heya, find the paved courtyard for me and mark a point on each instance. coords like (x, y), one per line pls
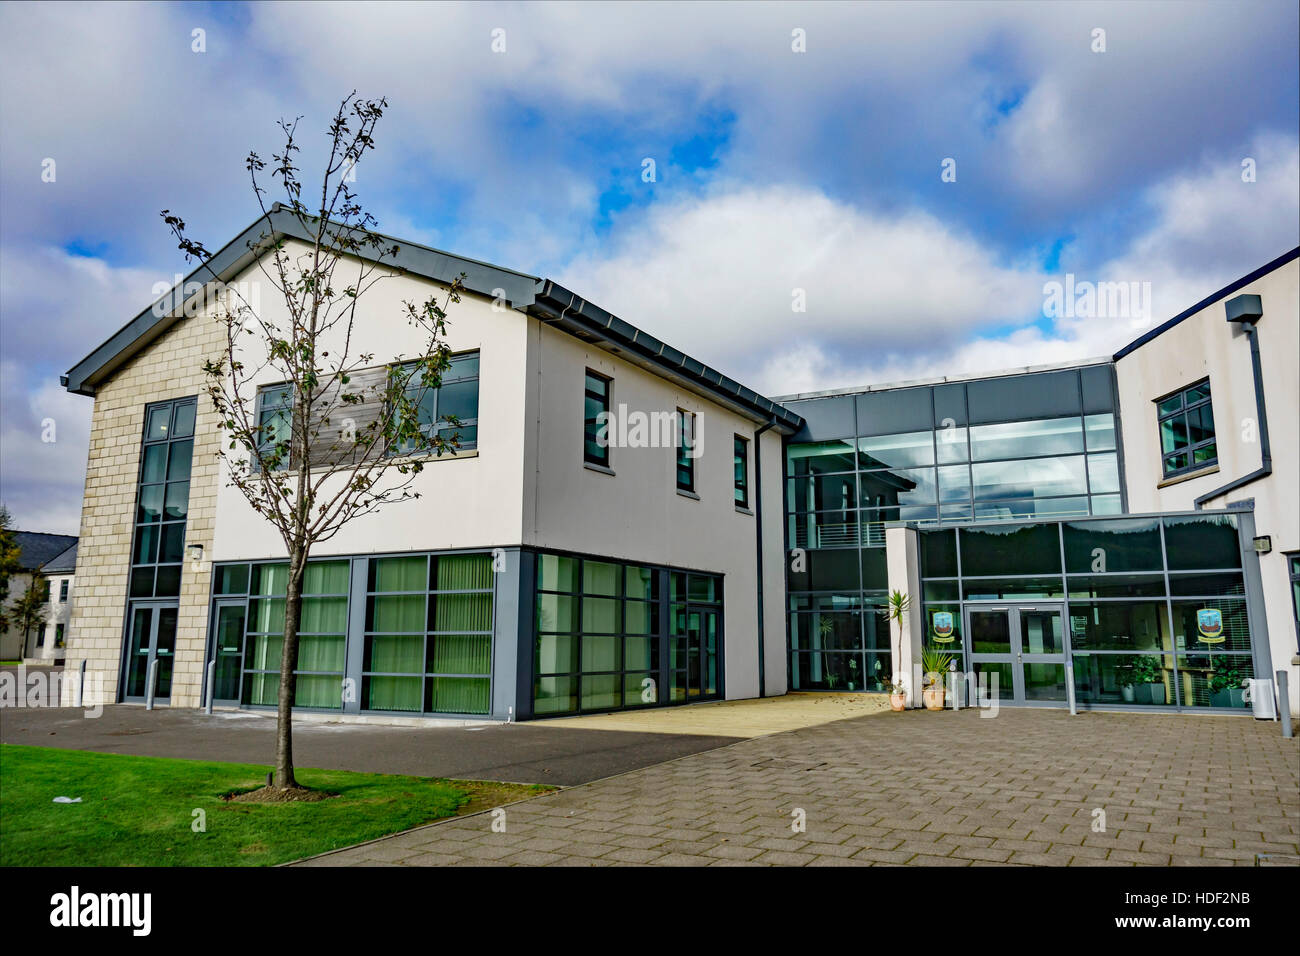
(953, 789)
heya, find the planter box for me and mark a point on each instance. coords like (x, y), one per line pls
(1229, 697)
(1150, 694)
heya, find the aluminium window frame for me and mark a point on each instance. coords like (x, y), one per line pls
(685, 461)
(430, 429)
(607, 401)
(740, 456)
(1191, 447)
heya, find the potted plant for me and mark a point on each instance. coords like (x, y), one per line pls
(853, 673)
(1149, 676)
(934, 669)
(897, 694)
(1125, 678)
(898, 607)
(1226, 688)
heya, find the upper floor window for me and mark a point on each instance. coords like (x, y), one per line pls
(740, 457)
(685, 450)
(63, 591)
(595, 418)
(162, 499)
(454, 397)
(1186, 421)
(274, 426)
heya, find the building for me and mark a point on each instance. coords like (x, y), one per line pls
(541, 573)
(37, 550)
(60, 572)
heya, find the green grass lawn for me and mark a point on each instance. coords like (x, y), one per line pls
(139, 811)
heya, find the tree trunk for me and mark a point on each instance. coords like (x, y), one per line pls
(284, 777)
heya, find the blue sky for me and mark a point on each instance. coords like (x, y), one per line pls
(776, 170)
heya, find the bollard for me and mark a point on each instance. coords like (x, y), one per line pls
(81, 682)
(212, 686)
(1284, 702)
(151, 679)
(1069, 688)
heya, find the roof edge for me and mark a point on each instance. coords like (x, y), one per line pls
(1209, 300)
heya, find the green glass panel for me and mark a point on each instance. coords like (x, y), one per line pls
(557, 573)
(178, 462)
(459, 695)
(326, 577)
(464, 572)
(1214, 680)
(703, 588)
(1099, 432)
(1119, 626)
(1196, 634)
(641, 653)
(183, 422)
(462, 612)
(232, 579)
(556, 612)
(263, 652)
(461, 654)
(177, 502)
(555, 695)
(154, 467)
(1127, 544)
(642, 583)
(263, 689)
(600, 653)
(400, 574)
(394, 693)
(1011, 549)
(640, 617)
(270, 578)
(603, 692)
(557, 654)
(396, 653)
(321, 652)
(599, 577)
(159, 418)
(600, 615)
(319, 690)
(267, 615)
(324, 615)
(640, 689)
(1146, 679)
(401, 613)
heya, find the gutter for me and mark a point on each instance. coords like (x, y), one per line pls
(1247, 310)
(758, 537)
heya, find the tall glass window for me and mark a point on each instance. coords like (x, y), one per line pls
(162, 499)
(601, 634)
(595, 416)
(740, 470)
(685, 450)
(322, 635)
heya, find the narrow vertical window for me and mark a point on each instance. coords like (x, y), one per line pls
(274, 425)
(685, 450)
(740, 468)
(63, 591)
(595, 444)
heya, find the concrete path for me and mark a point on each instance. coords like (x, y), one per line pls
(515, 753)
(736, 718)
(1030, 787)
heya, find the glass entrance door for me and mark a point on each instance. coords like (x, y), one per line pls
(1022, 648)
(227, 650)
(693, 656)
(152, 639)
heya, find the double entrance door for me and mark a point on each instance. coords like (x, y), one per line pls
(1023, 647)
(152, 644)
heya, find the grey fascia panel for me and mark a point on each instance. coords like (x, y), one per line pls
(480, 277)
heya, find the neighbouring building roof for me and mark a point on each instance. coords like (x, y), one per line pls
(1227, 290)
(36, 548)
(533, 295)
(65, 562)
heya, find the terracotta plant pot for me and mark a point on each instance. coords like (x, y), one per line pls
(897, 701)
(933, 697)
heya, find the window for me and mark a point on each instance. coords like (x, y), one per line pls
(685, 450)
(58, 634)
(1293, 565)
(40, 636)
(455, 396)
(63, 591)
(274, 425)
(595, 445)
(1186, 422)
(162, 502)
(740, 467)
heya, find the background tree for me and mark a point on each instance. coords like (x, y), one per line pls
(10, 564)
(336, 445)
(29, 611)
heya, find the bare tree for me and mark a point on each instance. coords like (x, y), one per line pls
(340, 436)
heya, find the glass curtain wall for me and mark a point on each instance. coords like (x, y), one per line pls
(162, 501)
(427, 639)
(1156, 606)
(602, 627)
(1032, 446)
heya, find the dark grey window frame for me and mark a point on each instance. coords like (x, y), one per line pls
(685, 467)
(591, 426)
(63, 591)
(740, 457)
(262, 407)
(1190, 448)
(428, 429)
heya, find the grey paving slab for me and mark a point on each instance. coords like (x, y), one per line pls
(1028, 787)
